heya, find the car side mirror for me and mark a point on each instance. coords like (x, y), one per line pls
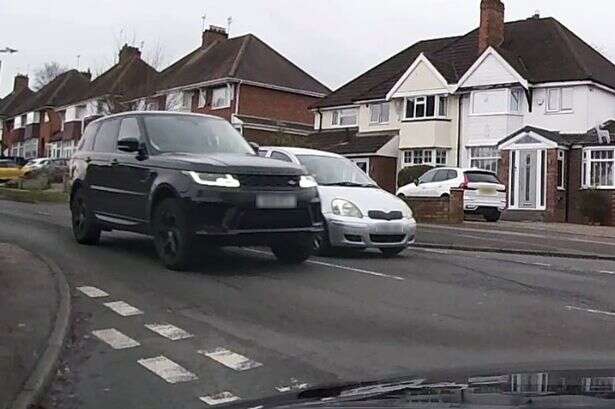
(417, 181)
(129, 145)
(254, 146)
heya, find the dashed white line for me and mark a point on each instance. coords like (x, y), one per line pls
(590, 310)
(115, 338)
(169, 331)
(93, 292)
(293, 386)
(607, 272)
(231, 359)
(167, 369)
(123, 308)
(219, 398)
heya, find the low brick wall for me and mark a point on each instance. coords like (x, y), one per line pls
(441, 210)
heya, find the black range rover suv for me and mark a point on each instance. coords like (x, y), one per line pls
(179, 177)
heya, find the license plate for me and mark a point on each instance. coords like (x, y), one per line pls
(276, 202)
(487, 191)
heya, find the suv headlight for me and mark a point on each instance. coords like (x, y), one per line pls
(214, 179)
(342, 207)
(406, 211)
(307, 181)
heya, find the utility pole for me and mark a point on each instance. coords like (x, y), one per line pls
(203, 18)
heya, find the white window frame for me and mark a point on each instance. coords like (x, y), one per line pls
(202, 98)
(227, 100)
(586, 168)
(561, 166)
(17, 123)
(509, 100)
(515, 98)
(479, 161)
(410, 157)
(338, 114)
(422, 100)
(377, 109)
(62, 115)
(559, 95)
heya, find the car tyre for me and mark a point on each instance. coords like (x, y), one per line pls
(391, 251)
(492, 216)
(85, 229)
(172, 237)
(322, 245)
(293, 252)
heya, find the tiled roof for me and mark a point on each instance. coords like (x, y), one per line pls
(244, 58)
(540, 49)
(248, 119)
(132, 78)
(64, 89)
(347, 141)
(14, 102)
(567, 139)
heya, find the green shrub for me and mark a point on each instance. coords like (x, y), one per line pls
(594, 206)
(411, 173)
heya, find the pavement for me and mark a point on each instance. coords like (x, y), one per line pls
(33, 318)
(242, 326)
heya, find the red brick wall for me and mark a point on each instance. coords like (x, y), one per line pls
(383, 170)
(438, 209)
(268, 103)
(225, 113)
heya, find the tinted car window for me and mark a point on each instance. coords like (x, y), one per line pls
(105, 139)
(427, 177)
(129, 129)
(452, 174)
(87, 140)
(440, 176)
(481, 177)
(280, 156)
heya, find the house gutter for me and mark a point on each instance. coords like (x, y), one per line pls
(237, 95)
(459, 132)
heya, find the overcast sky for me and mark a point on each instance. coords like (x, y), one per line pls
(333, 40)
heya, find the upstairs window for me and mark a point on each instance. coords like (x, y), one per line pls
(430, 106)
(559, 99)
(186, 101)
(220, 98)
(516, 96)
(379, 113)
(17, 123)
(344, 117)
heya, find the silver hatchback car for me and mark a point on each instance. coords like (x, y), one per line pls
(358, 213)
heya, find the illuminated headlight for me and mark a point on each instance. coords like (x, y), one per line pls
(307, 181)
(406, 211)
(343, 207)
(214, 179)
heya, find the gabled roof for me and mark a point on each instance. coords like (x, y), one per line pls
(131, 78)
(566, 139)
(243, 58)
(64, 89)
(539, 49)
(347, 141)
(14, 102)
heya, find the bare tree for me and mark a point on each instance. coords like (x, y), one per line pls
(45, 74)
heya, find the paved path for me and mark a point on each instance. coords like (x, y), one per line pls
(242, 326)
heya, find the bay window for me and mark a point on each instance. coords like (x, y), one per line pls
(432, 157)
(430, 106)
(30, 148)
(344, 117)
(484, 157)
(516, 96)
(379, 113)
(598, 168)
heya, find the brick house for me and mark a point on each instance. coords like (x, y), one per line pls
(245, 81)
(13, 123)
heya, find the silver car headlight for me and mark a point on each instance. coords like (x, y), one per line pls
(213, 179)
(307, 181)
(342, 207)
(406, 211)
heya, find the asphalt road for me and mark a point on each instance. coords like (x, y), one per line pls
(253, 327)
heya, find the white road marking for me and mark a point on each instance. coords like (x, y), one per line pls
(169, 331)
(293, 386)
(231, 359)
(590, 310)
(92, 292)
(356, 270)
(219, 398)
(432, 250)
(167, 369)
(607, 272)
(115, 338)
(123, 308)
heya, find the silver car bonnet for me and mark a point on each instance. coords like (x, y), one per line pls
(365, 198)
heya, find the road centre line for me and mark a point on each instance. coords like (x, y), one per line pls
(219, 398)
(169, 331)
(167, 369)
(356, 270)
(115, 339)
(590, 310)
(123, 308)
(231, 359)
(93, 292)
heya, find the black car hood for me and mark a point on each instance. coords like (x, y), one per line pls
(557, 389)
(227, 163)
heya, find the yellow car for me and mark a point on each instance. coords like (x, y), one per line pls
(9, 170)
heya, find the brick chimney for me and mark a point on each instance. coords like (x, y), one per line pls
(491, 31)
(20, 83)
(86, 74)
(213, 34)
(128, 53)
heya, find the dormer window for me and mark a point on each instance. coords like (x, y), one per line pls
(430, 106)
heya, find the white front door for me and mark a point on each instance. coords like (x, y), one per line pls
(528, 179)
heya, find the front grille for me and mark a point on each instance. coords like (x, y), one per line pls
(274, 219)
(269, 181)
(387, 238)
(380, 215)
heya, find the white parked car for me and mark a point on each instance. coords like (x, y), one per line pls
(358, 213)
(483, 193)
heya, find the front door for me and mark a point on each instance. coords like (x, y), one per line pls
(528, 163)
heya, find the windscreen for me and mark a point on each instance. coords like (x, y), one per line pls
(330, 170)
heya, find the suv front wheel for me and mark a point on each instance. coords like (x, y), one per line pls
(172, 237)
(294, 252)
(85, 228)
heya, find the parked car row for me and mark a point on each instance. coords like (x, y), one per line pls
(189, 179)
